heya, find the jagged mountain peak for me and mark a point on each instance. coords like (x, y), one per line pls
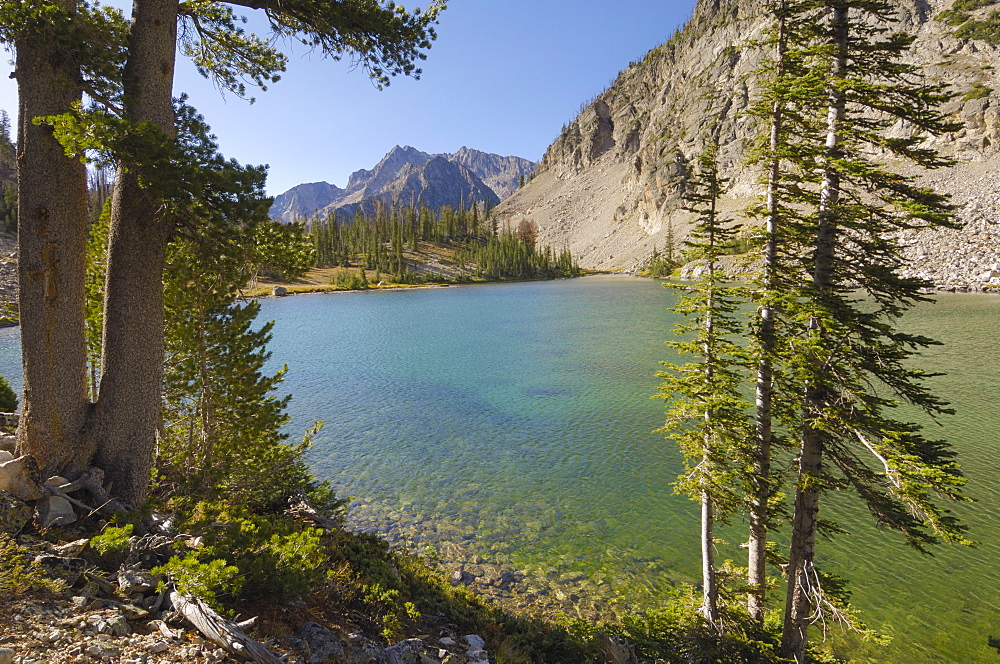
(407, 174)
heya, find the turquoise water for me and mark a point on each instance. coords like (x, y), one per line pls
(517, 419)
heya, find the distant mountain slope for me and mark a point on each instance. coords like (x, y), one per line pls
(609, 186)
(304, 199)
(408, 175)
(501, 174)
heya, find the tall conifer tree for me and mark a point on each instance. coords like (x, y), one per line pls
(850, 362)
(706, 414)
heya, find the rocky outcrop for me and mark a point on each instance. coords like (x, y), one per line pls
(406, 175)
(609, 186)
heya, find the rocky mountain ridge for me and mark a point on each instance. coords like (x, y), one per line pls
(406, 175)
(609, 186)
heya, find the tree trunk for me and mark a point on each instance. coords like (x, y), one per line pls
(758, 512)
(802, 589)
(127, 415)
(709, 579)
(52, 236)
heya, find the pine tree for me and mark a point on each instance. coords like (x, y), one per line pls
(786, 108)
(706, 414)
(848, 363)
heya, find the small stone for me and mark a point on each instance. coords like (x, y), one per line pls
(54, 511)
(72, 549)
(6, 656)
(475, 642)
(56, 481)
(158, 647)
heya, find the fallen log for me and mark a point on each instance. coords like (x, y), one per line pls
(222, 632)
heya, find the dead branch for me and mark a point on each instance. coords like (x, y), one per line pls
(220, 631)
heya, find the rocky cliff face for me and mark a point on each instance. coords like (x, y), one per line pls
(408, 175)
(609, 186)
(501, 174)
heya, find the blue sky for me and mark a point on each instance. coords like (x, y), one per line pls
(502, 77)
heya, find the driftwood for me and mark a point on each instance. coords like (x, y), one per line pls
(300, 507)
(220, 631)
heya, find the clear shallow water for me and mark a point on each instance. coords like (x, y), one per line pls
(517, 419)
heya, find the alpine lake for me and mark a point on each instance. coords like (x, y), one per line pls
(516, 422)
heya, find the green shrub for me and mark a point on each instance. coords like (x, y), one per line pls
(19, 574)
(204, 580)
(970, 5)
(112, 540)
(987, 30)
(276, 557)
(978, 91)
(952, 17)
(8, 400)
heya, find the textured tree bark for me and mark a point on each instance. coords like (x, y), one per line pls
(801, 575)
(52, 235)
(763, 391)
(709, 579)
(801, 590)
(127, 413)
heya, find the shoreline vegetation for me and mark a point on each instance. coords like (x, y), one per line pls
(404, 247)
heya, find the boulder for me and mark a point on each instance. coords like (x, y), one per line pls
(22, 478)
(477, 649)
(475, 642)
(361, 650)
(279, 291)
(135, 580)
(322, 643)
(14, 514)
(6, 456)
(66, 569)
(54, 511)
(404, 652)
